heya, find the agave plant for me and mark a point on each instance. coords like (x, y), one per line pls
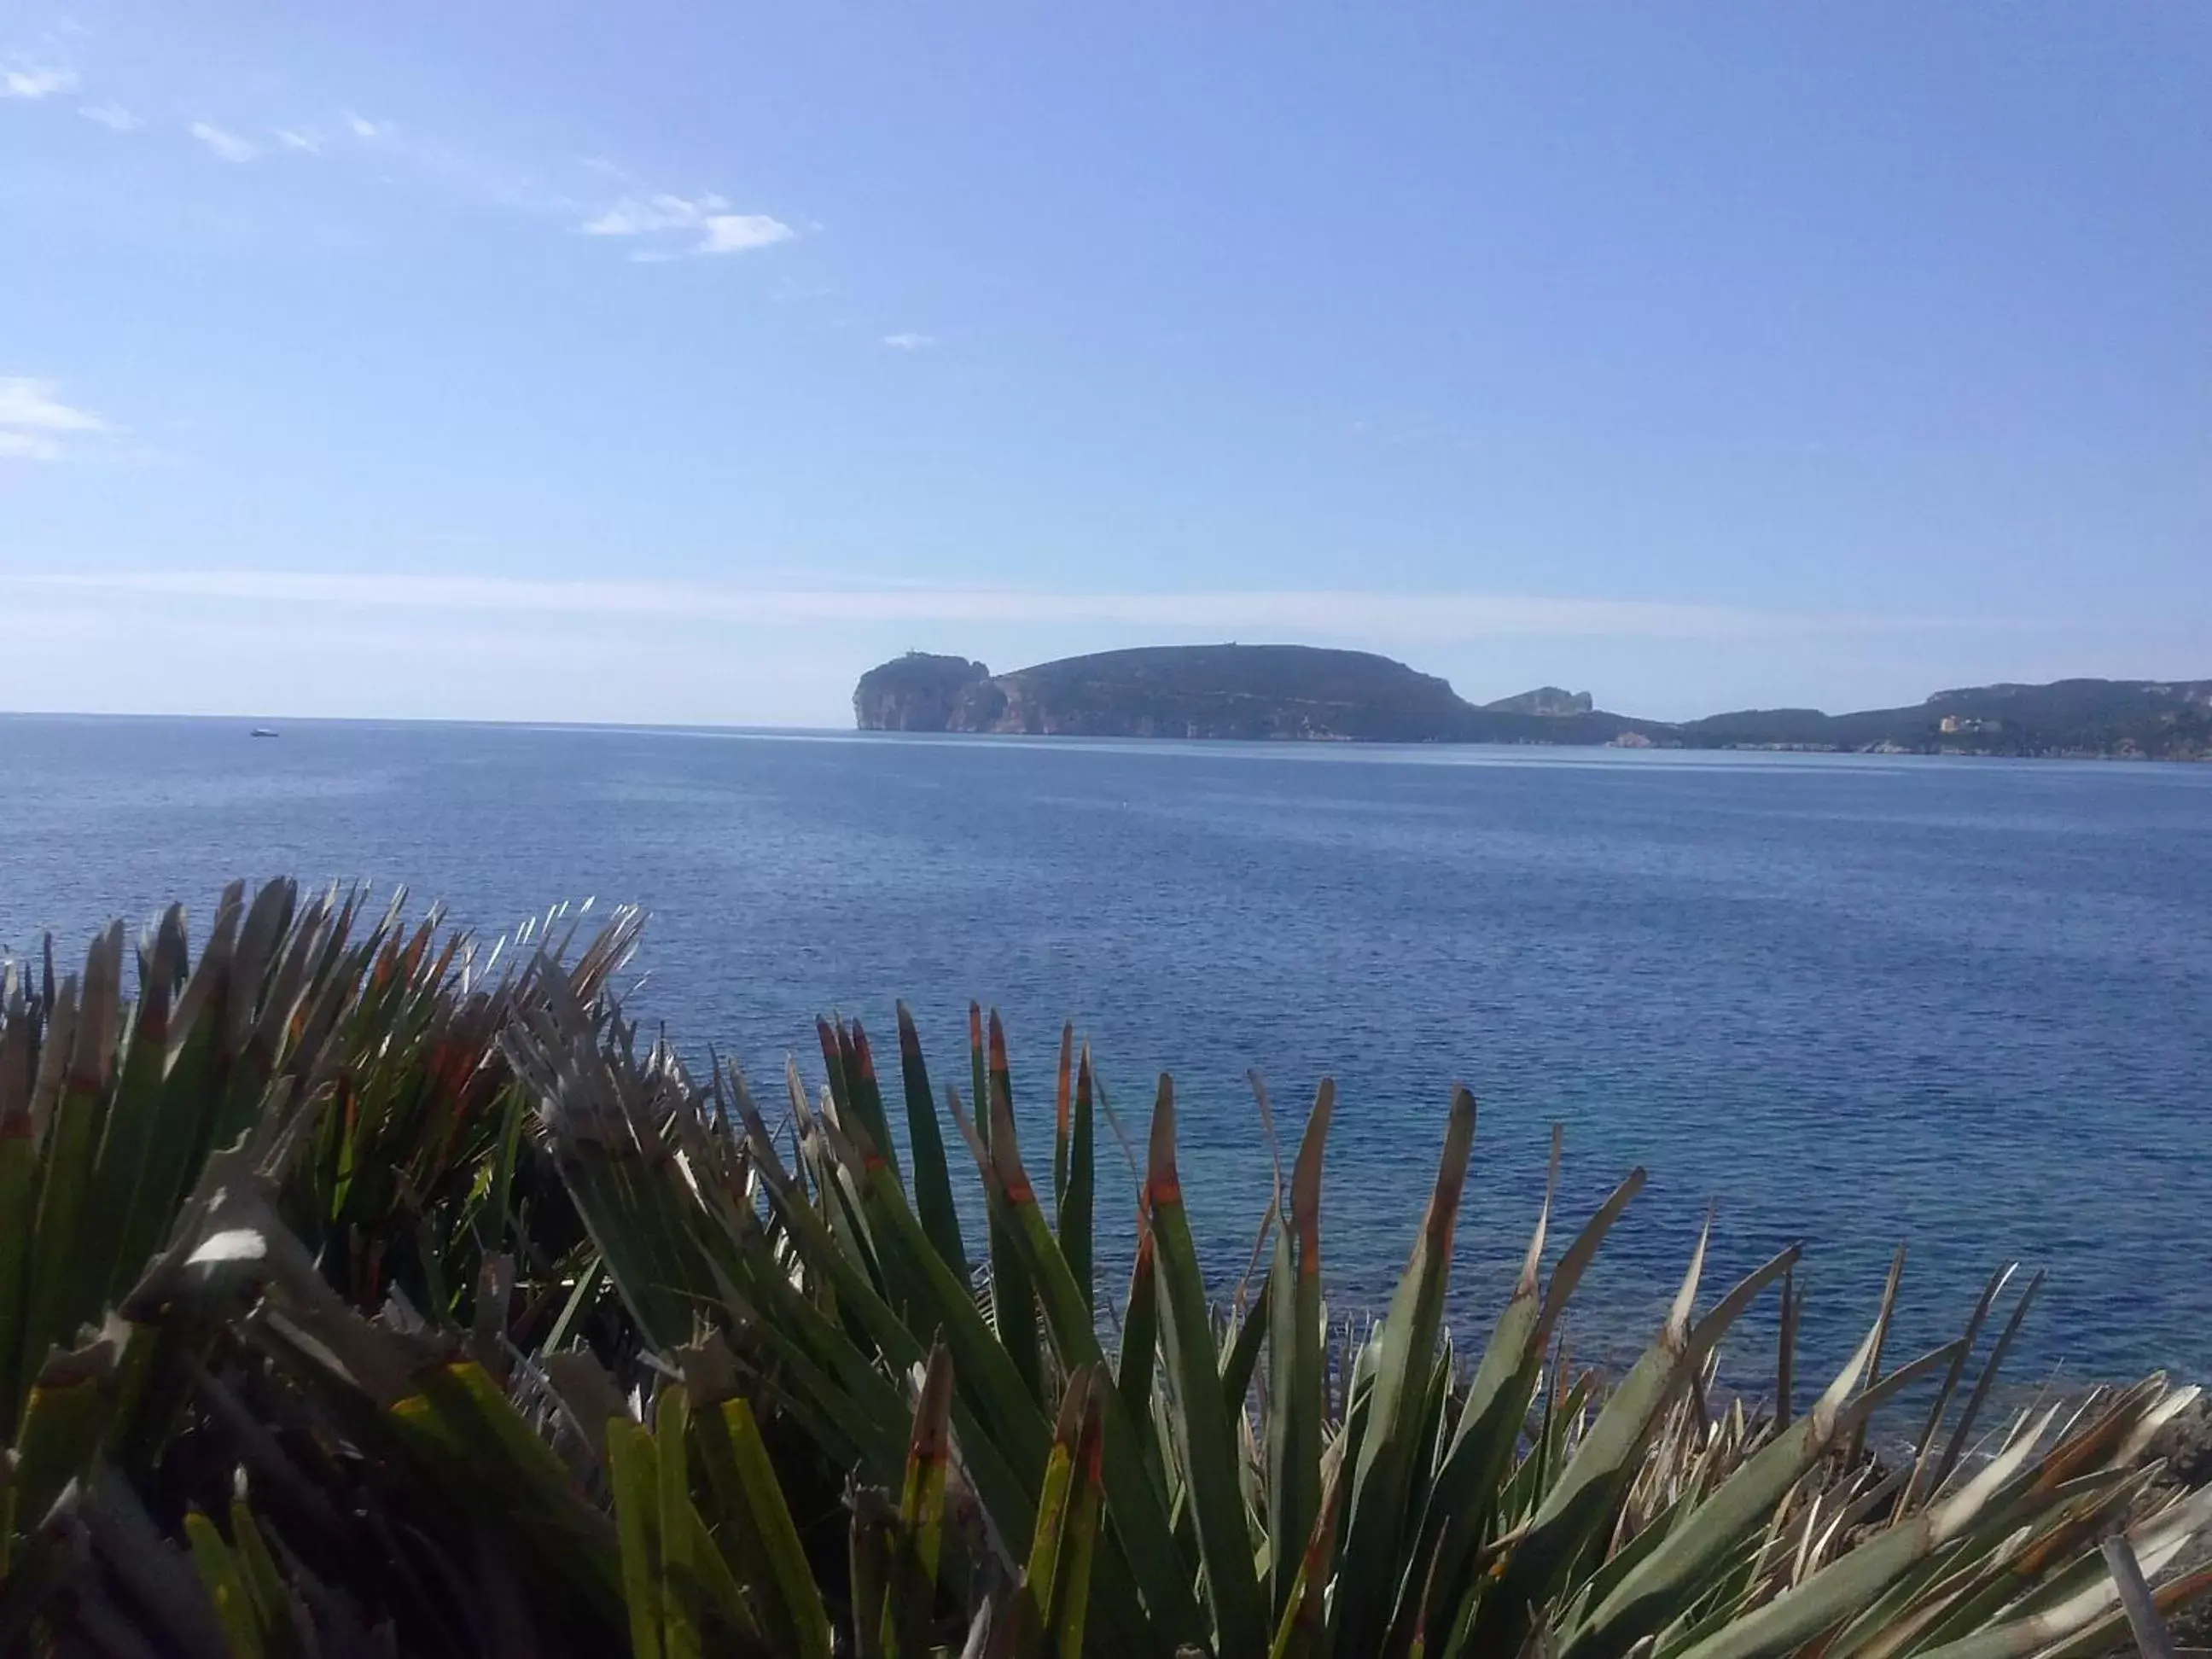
(356, 1057)
(353, 1300)
(1252, 1503)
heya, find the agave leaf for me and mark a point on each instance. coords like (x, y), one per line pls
(1070, 1596)
(678, 1574)
(1374, 1563)
(462, 1431)
(2091, 1466)
(718, 1583)
(912, 1586)
(1140, 1328)
(1140, 1522)
(272, 1602)
(1983, 1384)
(793, 1581)
(2089, 1617)
(869, 1555)
(1785, 1350)
(634, 1471)
(1301, 1630)
(72, 1412)
(1666, 1581)
(1053, 1498)
(1581, 1505)
(18, 1179)
(1463, 1499)
(1076, 1201)
(984, 1373)
(867, 1093)
(932, 1185)
(1848, 1583)
(1242, 1359)
(1972, 1590)
(1063, 1112)
(1575, 1262)
(734, 1532)
(1203, 1435)
(61, 1291)
(225, 1587)
(1297, 1395)
(1014, 1298)
(132, 1120)
(1856, 1446)
(1003, 1431)
(1925, 1452)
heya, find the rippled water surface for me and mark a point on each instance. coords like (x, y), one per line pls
(1968, 1004)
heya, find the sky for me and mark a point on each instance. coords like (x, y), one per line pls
(675, 363)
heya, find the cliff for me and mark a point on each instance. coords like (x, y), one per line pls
(1305, 692)
(1234, 691)
(918, 692)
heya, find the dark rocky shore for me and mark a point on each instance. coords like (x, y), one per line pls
(1306, 693)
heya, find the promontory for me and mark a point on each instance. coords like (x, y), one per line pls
(1312, 693)
(1281, 691)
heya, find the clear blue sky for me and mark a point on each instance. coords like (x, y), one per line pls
(677, 362)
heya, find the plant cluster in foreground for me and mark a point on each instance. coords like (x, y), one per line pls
(357, 1297)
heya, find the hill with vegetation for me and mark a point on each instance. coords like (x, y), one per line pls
(1309, 693)
(2153, 720)
(1234, 691)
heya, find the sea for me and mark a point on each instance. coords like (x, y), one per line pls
(1964, 1005)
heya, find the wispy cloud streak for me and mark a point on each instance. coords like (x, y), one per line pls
(222, 144)
(1336, 613)
(31, 82)
(35, 421)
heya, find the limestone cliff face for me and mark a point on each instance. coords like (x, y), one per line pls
(919, 692)
(1305, 692)
(1234, 691)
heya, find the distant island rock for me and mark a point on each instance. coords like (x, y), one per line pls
(919, 692)
(1312, 694)
(1300, 692)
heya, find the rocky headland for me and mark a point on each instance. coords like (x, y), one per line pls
(1313, 694)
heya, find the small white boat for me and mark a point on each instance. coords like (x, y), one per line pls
(263, 732)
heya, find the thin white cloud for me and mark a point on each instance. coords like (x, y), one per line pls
(306, 143)
(222, 144)
(717, 230)
(735, 233)
(909, 342)
(27, 402)
(36, 80)
(32, 415)
(1240, 614)
(362, 129)
(27, 447)
(113, 117)
(641, 216)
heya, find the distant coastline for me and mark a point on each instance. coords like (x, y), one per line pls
(1312, 694)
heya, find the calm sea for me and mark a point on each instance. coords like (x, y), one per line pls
(1966, 1004)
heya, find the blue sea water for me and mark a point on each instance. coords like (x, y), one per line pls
(1856, 1000)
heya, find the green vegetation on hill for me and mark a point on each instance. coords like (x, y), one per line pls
(1232, 691)
(2156, 720)
(358, 1299)
(919, 692)
(1285, 691)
